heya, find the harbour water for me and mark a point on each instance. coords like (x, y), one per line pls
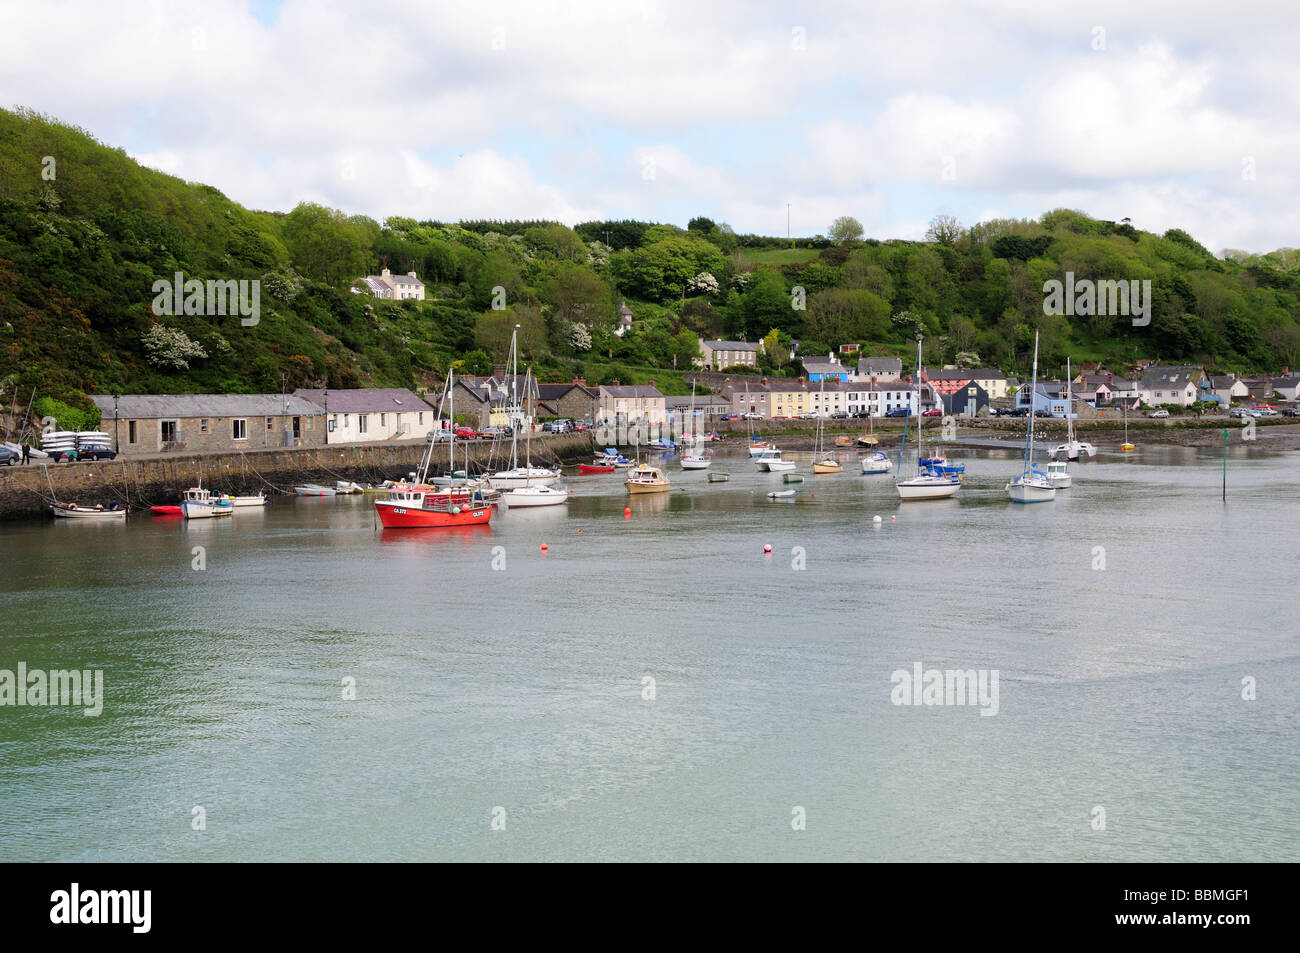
(657, 688)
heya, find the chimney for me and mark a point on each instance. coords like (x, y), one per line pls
(616, 383)
(580, 381)
(385, 273)
(652, 383)
(411, 274)
(499, 371)
(764, 382)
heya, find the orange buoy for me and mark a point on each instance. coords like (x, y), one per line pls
(767, 547)
(627, 512)
(543, 547)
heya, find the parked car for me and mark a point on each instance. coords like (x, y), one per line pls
(752, 416)
(487, 432)
(9, 457)
(840, 415)
(730, 417)
(1266, 412)
(441, 435)
(933, 412)
(1158, 414)
(466, 433)
(580, 427)
(897, 412)
(96, 452)
(861, 415)
(808, 415)
(1239, 412)
(562, 425)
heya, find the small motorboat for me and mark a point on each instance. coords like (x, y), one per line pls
(663, 444)
(257, 500)
(314, 489)
(1059, 474)
(198, 503)
(877, 462)
(696, 461)
(346, 487)
(843, 441)
(781, 495)
(595, 468)
(719, 477)
(77, 511)
(791, 478)
(166, 511)
(646, 479)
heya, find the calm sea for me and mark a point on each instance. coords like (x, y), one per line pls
(657, 688)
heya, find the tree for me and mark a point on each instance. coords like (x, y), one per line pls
(701, 224)
(846, 228)
(776, 346)
(170, 348)
(943, 229)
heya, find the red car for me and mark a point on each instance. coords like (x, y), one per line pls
(579, 427)
(466, 433)
(933, 412)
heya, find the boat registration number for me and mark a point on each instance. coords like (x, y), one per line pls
(398, 511)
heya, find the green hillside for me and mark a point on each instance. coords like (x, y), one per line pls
(84, 238)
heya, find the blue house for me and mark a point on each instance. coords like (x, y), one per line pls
(828, 369)
(1049, 397)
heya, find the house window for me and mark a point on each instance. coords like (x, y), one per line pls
(421, 418)
(239, 429)
(203, 425)
(270, 423)
(168, 431)
(130, 431)
(383, 420)
(362, 422)
(309, 420)
(331, 425)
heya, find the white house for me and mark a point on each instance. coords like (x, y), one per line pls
(372, 414)
(624, 320)
(878, 397)
(393, 287)
(1171, 385)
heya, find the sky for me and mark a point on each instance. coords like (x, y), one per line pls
(765, 116)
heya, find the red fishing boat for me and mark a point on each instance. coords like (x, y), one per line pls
(418, 507)
(166, 510)
(594, 468)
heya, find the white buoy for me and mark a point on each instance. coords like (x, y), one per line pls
(876, 519)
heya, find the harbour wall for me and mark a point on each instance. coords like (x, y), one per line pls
(143, 481)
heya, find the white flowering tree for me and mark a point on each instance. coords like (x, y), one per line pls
(170, 348)
(580, 338)
(703, 284)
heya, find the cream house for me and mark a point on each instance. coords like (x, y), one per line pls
(372, 414)
(642, 403)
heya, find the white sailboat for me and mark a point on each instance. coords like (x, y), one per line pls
(1032, 485)
(1072, 449)
(516, 476)
(1126, 447)
(928, 484)
(529, 494)
(695, 458)
(823, 460)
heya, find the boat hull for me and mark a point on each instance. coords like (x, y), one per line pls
(315, 491)
(826, 467)
(202, 511)
(166, 511)
(77, 513)
(412, 517)
(1030, 493)
(535, 496)
(592, 468)
(927, 489)
(695, 463)
(643, 488)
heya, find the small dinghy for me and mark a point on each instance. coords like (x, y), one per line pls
(792, 478)
(166, 511)
(719, 477)
(77, 511)
(781, 495)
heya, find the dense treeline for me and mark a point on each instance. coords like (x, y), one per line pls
(85, 232)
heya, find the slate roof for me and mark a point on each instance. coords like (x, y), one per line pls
(146, 406)
(364, 400)
(631, 390)
(730, 346)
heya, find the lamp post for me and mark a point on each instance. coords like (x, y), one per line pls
(327, 415)
(116, 398)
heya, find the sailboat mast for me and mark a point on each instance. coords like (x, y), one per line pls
(1033, 394)
(919, 419)
(1069, 411)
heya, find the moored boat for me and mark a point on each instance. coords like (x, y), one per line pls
(877, 462)
(781, 495)
(315, 489)
(646, 479)
(1032, 485)
(198, 503)
(595, 468)
(1059, 474)
(719, 477)
(77, 511)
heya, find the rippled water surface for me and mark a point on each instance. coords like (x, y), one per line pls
(518, 693)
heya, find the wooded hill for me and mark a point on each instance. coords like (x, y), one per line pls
(84, 237)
